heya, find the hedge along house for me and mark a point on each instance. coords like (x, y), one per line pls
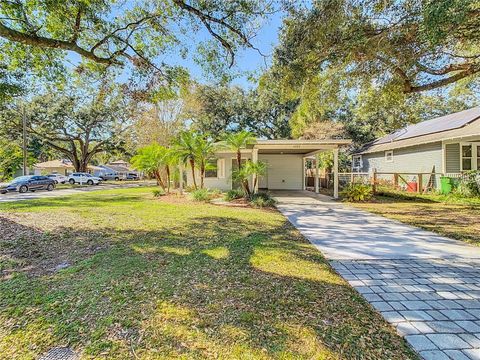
(285, 160)
(447, 145)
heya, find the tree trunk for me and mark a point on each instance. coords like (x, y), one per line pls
(202, 174)
(239, 159)
(159, 179)
(83, 166)
(167, 170)
(192, 165)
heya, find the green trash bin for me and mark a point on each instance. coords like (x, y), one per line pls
(445, 185)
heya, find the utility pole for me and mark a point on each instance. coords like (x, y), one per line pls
(24, 124)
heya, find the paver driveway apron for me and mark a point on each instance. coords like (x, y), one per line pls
(425, 285)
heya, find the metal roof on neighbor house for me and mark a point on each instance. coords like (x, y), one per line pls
(442, 128)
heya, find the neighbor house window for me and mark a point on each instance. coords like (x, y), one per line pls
(389, 156)
(466, 157)
(357, 162)
(478, 157)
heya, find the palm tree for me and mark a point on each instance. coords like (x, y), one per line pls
(204, 150)
(236, 142)
(250, 169)
(170, 161)
(255, 169)
(151, 159)
(185, 147)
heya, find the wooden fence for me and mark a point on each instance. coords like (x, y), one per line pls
(420, 182)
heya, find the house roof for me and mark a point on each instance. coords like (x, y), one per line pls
(306, 147)
(63, 163)
(458, 125)
(116, 168)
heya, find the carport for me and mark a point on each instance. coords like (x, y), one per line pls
(286, 162)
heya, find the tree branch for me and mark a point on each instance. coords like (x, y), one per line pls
(41, 41)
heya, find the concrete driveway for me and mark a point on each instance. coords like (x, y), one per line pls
(427, 286)
(342, 232)
(74, 190)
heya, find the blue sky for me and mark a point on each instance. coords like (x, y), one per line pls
(247, 61)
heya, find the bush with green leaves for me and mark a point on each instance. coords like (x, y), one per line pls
(204, 194)
(158, 192)
(234, 194)
(469, 184)
(357, 192)
(262, 200)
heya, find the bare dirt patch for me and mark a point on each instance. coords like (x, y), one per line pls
(37, 244)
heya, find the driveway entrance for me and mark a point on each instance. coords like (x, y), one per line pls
(425, 285)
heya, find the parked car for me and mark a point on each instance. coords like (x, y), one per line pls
(131, 176)
(59, 179)
(83, 178)
(112, 176)
(22, 184)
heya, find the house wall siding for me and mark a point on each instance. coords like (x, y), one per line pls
(413, 159)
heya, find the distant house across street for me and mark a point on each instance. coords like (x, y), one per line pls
(62, 167)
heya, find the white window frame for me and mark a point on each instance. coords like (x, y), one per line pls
(473, 158)
(220, 169)
(389, 153)
(360, 162)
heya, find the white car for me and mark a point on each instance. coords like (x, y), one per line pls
(83, 178)
(59, 179)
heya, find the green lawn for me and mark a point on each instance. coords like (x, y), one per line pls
(448, 215)
(168, 278)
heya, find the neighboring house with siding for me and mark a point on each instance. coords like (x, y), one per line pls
(448, 145)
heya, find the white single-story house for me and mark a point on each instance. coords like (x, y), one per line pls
(285, 161)
(447, 145)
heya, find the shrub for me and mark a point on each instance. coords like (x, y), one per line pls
(469, 184)
(204, 194)
(262, 200)
(158, 193)
(234, 194)
(357, 192)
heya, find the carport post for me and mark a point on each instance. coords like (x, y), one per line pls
(254, 177)
(335, 173)
(304, 187)
(317, 180)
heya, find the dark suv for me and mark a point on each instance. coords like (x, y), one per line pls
(26, 183)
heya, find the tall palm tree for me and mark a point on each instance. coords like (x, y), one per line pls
(204, 150)
(238, 141)
(185, 146)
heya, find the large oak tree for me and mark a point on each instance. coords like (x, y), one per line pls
(118, 32)
(420, 45)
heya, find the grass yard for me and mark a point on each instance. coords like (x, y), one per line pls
(447, 215)
(167, 278)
